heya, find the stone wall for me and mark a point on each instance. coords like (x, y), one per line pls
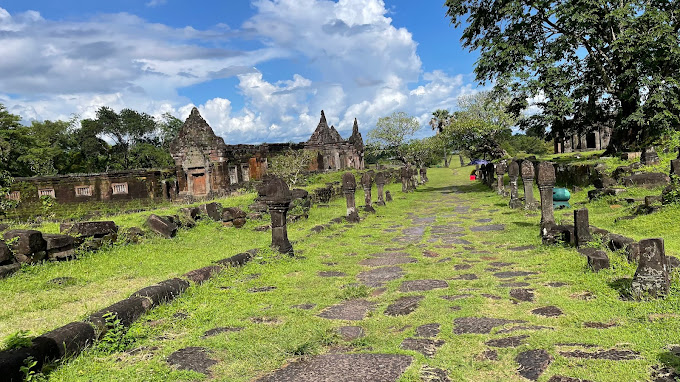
(80, 188)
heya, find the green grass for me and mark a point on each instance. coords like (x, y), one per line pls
(290, 333)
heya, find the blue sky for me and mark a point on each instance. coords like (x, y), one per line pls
(258, 70)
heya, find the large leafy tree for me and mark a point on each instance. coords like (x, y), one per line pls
(480, 125)
(588, 61)
(392, 133)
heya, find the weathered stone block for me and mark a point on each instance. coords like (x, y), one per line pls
(212, 210)
(162, 226)
(388, 196)
(5, 254)
(597, 259)
(192, 212)
(59, 247)
(163, 291)
(582, 227)
(651, 277)
(649, 157)
(239, 222)
(647, 179)
(26, 244)
(128, 311)
(231, 213)
(7, 270)
(89, 229)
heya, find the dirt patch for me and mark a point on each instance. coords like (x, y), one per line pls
(220, 330)
(548, 311)
(510, 274)
(491, 296)
(611, 354)
(501, 264)
(489, 355)
(192, 358)
(507, 342)
(404, 306)
(261, 289)
(515, 285)
(338, 367)
(428, 330)
(522, 295)
(599, 325)
(378, 277)
(352, 310)
(455, 297)
(422, 285)
(478, 325)
(522, 248)
(427, 253)
(424, 346)
(532, 363)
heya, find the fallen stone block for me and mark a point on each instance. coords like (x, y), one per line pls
(192, 212)
(9, 269)
(5, 254)
(69, 340)
(597, 259)
(89, 229)
(162, 226)
(212, 210)
(163, 291)
(232, 213)
(128, 311)
(201, 275)
(28, 246)
(647, 179)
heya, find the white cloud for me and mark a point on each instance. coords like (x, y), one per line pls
(156, 3)
(353, 63)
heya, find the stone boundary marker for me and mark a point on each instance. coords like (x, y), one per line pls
(73, 338)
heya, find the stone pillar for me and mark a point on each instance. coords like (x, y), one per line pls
(500, 172)
(546, 182)
(349, 186)
(649, 157)
(527, 169)
(404, 173)
(675, 169)
(277, 195)
(513, 173)
(651, 278)
(582, 227)
(380, 182)
(413, 173)
(367, 184)
(491, 175)
(388, 196)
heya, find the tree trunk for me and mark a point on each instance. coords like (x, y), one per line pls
(462, 162)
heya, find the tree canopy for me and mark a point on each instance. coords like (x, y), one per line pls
(392, 133)
(584, 62)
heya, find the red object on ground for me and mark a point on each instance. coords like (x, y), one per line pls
(473, 177)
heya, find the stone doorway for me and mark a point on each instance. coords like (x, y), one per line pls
(198, 184)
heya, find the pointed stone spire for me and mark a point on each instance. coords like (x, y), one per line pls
(324, 134)
(356, 138)
(195, 132)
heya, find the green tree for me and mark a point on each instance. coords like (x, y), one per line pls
(391, 133)
(424, 152)
(168, 129)
(291, 166)
(480, 125)
(125, 129)
(609, 62)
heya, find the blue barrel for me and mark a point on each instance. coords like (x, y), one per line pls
(561, 197)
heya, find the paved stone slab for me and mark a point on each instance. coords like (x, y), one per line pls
(350, 333)
(466, 276)
(462, 267)
(532, 363)
(404, 305)
(522, 248)
(428, 330)
(192, 358)
(548, 311)
(486, 228)
(455, 297)
(515, 285)
(331, 274)
(520, 294)
(488, 220)
(383, 261)
(599, 325)
(422, 285)
(431, 374)
(425, 346)
(220, 330)
(343, 368)
(379, 276)
(523, 327)
(507, 342)
(478, 325)
(561, 378)
(611, 354)
(500, 264)
(352, 310)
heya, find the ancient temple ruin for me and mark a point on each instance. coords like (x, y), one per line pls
(205, 165)
(596, 139)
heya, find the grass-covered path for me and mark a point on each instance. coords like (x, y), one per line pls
(446, 283)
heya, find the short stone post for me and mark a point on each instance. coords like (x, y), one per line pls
(582, 227)
(413, 181)
(546, 182)
(675, 170)
(527, 169)
(423, 175)
(404, 173)
(490, 175)
(388, 196)
(500, 172)
(349, 186)
(367, 184)
(380, 182)
(651, 278)
(513, 174)
(277, 195)
(649, 157)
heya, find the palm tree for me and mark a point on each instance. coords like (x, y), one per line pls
(440, 118)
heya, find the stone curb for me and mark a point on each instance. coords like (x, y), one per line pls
(71, 339)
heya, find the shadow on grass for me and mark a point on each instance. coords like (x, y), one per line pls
(524, 224)
(624, 287)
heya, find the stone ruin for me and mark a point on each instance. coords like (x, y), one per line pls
(367, 185)
(513, 174)
(205, 165)
(527, 170)
(278, 197)
(380, 181)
